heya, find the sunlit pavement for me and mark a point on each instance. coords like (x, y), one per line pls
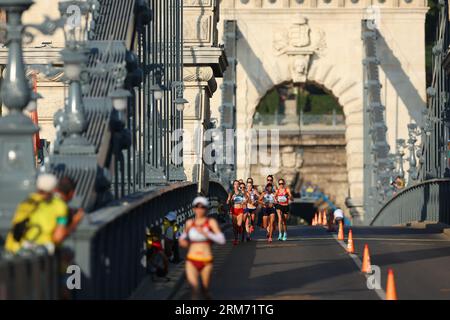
(313, 265)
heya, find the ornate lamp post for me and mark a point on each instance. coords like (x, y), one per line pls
(176, 173)
(412, 132)
(17, 162)
(73, 123)
(401, 145)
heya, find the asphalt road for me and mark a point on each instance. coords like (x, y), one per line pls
(312, 264)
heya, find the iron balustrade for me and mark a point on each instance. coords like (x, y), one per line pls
(378, 163)
(108, 245)
(132, 149)
(433, 160)
(425, 201)
(30, 277)
(428, 194)
(303, 120)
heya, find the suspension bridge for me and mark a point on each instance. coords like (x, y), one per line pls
(137, 72)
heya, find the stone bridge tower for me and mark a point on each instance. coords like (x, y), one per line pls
(319, 41)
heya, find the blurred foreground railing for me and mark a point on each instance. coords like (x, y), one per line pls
(426, 201)
(31, 277)
(108, 247)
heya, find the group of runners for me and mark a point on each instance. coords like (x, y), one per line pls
(246, 202)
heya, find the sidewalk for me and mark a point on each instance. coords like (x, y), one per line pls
(161, 289)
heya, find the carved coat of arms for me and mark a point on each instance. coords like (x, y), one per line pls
(299, 42)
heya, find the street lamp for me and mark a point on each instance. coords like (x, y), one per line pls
(401, 145)
(75, 58)
(157, 88)
(119, 98)
(179, 101)
(32, 105)
(412, 132)
(17, 162)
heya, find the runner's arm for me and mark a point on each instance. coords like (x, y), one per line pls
(216, 235)
(291, 198)
(183, 241)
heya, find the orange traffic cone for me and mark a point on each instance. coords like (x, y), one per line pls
(391, 292)
(341, 231)
(324, 220)
(366, 266)
(350, 247)
(319, 222)
(314, 222)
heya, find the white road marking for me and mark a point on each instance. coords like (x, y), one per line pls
(380, 292)
(358, 238)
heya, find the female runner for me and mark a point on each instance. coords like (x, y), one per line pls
(237, 201)
(198, 236)
(283, 196)
(267, 199)
(252, 205)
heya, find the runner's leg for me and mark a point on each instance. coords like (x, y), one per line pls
(271, 225)
(239, 220)
(280, 224)
(192, 276)
(205, 276)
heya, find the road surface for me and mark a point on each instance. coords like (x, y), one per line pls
(312, 264)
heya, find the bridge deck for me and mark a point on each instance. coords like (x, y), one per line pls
(313, 265)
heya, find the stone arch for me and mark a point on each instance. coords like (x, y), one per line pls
(346, 90)
(269, 33)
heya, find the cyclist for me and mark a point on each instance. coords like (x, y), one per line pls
(198, 236)
(267, 199)
(283, 196)
(252, 205)
(237, 200)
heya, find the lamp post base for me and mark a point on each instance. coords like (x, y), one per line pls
(155, 176)
(176, 174)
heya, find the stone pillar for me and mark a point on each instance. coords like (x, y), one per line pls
(200, 84)
(204, 60)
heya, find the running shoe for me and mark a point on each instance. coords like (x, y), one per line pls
(270, 240)
(235, 242)
(284, 237)
(280, 236)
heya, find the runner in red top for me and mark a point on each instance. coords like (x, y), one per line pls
(283, 197)
(237, 200)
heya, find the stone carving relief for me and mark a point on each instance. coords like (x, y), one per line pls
(299, 42)
(196, 29)
(197, 74)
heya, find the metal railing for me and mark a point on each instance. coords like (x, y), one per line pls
(31, 277)
(378, 163)
(433, 158)
(428, 194)
(303, 120)
(108, 246)
(425, 201)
